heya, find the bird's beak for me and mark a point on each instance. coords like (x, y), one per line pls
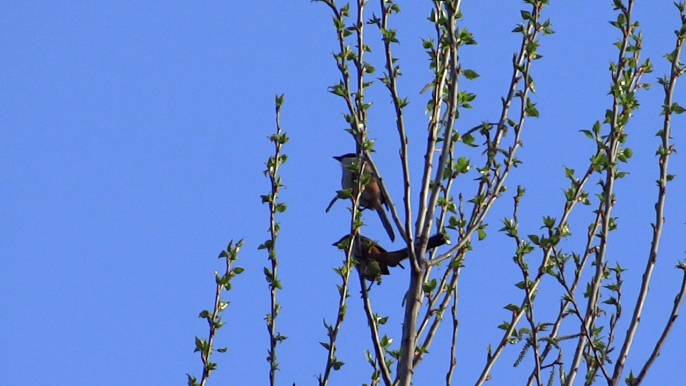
(337, 158)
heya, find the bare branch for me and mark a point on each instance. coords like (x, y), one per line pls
(670, 323)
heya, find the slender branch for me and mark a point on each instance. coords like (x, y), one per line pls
(584, 332)
(522, 249)
(493, 185)
(214, 320)
(493, 182)
(449, 293)
(453, 344)
(374, 329)
(664, 154)
(357, 118)
(670, 323)
(271, 274)
(352, 249)
(626, 76)
(411, 298)
(391, 81)
(440, 59)
(577, 195)
(452, 68)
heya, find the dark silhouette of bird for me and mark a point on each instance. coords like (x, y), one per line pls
(373, 260)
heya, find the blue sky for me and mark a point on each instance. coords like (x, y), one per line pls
(134, 135)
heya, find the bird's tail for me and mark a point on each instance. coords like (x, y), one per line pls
(394, 258)
(386, 224)
(435, 241)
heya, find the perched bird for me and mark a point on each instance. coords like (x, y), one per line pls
(371, 197)
(374, 260)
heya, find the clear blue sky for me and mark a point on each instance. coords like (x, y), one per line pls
(132, 144)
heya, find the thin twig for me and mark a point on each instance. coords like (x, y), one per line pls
(374, 329)
(453, 341)
(214, 320)
(495, 184)
(273, 165)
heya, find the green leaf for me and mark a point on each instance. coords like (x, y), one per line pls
(470, 74)
(238, 270)
(676, 108)
(588, 133)
(482, 234)
(534, 239)
(430, 285)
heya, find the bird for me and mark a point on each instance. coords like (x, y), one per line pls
(371, 197)
(374, 260)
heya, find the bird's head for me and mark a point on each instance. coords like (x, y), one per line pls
(346, 158)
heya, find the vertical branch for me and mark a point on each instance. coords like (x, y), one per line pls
(206, 346)
(357, 118)
(352, 248)
(446, 72)
(271, 273)
(373, 322)
(626, 75)
(411, 302)
(511, 229)
(670, 322)
(453, 341)
(357, 109)
(390, 79)
(494, 174)
(448, 290)
(450, 77)
(664, 152)
(575, 194)
(332, 362)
